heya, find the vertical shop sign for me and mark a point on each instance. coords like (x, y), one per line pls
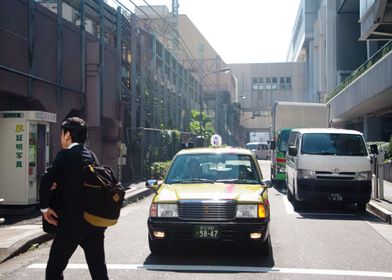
(19, 129)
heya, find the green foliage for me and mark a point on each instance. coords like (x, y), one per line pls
(389, 148)
(207, 129)
(176, 136)
(158, 170)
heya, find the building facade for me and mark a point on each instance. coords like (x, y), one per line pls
(93, 61)
(346, 47)
(260, 85)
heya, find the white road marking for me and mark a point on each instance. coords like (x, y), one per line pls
(250, 269)
(287, 205)
(326, 214)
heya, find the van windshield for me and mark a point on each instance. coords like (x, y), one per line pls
(251, 146)
(333, 144)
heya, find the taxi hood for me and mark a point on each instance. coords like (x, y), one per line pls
(204, 191)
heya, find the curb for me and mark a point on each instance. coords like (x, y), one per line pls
(23, 246)
(379, 211)
(136, 196)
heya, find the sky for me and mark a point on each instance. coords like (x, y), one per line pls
(241, 31)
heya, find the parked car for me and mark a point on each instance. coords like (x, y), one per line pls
(210, 195)
(328, 165)
(260, 149)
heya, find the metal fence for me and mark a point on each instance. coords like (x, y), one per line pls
(386, 49)
(388, 171)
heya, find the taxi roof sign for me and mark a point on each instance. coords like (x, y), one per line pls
(216, 140)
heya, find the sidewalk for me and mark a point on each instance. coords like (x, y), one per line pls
(20, 236)
(383, 208)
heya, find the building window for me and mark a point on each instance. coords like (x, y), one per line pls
(271, 83)
(261, 83)
(285, 83)
(268, 83)
(257, 83)
(274, 83)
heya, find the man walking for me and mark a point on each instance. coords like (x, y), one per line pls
(187, 143)
(64, 178)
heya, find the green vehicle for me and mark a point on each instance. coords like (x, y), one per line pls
(278, 165)
(285, 117)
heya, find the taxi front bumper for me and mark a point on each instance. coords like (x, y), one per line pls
(236, 231)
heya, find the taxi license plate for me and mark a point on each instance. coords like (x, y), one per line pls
(206, 231)
(335, 197)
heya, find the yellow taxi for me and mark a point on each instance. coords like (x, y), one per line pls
(209, 195)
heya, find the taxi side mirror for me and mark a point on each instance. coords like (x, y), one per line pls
(152, 184)
(267, 183)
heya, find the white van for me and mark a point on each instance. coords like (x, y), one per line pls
(260, 149)
(328, 164)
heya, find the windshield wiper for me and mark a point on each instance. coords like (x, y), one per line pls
(227, 181)
(194, 180)
(238, 181)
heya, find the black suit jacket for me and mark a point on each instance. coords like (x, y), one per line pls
(190, 145)
(68, 198)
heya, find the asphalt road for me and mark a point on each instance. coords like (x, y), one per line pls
(320, 242)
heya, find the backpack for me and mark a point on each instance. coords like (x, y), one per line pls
(103, 194)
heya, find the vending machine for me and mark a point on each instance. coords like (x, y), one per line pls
(24, 154)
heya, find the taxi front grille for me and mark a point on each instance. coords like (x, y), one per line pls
(207, 210)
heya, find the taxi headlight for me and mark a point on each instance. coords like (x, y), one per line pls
(364, 176)
(306, 174)
(246, 211)
(167, 210)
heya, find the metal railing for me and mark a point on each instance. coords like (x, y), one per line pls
(2, 220)
(386, 49)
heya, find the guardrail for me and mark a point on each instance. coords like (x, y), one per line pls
(361, 69)
(2, 220)
(388, 171)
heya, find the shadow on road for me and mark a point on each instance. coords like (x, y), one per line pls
(210, 255)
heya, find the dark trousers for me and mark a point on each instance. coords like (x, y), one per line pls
(64, 246)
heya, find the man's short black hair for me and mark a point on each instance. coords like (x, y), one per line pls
(77, 128)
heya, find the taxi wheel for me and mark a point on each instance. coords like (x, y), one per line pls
(156, 247)
(264, 248)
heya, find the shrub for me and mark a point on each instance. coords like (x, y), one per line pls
(158, 170)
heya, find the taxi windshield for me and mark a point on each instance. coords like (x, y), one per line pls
(211, 168)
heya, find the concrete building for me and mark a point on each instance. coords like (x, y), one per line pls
(218, 91)
(120, 78)
(260, 85)
(345, 46)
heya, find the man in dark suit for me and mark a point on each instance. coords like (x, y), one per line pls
(64, 178)
(187, 143)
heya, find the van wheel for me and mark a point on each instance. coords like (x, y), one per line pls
(296, 204)
(289, 195)
(361, 207)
